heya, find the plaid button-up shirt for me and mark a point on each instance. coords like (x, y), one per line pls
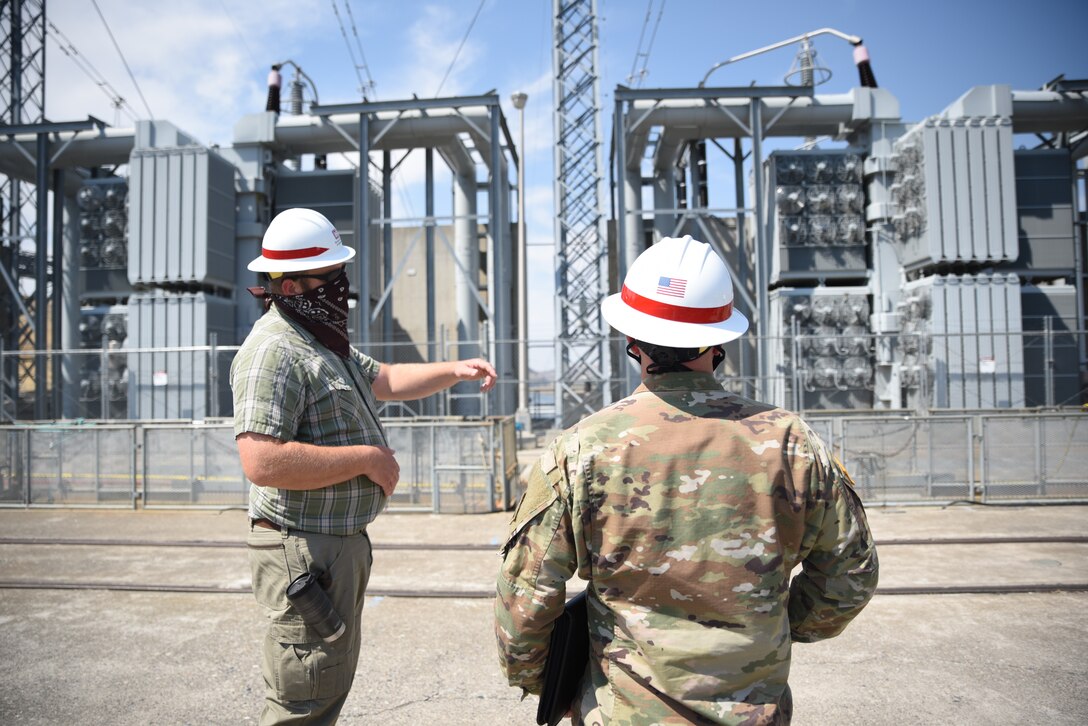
(288, 385)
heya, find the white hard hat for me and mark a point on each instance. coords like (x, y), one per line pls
(300, 239)
(678, 293)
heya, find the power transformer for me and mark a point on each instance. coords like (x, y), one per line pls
(181, 383)
(182, 224)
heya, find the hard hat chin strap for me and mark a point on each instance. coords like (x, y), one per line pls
(665, 359)
(719, 356)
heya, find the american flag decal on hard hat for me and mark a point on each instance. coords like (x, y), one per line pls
(672, 286)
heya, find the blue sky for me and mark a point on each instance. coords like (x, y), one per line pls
(202, 64)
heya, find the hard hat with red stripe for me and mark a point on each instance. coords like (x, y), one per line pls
(678, 293)
(300, 239)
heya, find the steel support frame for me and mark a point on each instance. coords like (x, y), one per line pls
(33, 331)
(625, 122)
(582, 361)
(498, 141)
(22, 98)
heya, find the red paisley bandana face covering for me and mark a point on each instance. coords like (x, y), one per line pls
(323, 311)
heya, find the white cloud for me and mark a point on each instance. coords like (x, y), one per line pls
(189, 59)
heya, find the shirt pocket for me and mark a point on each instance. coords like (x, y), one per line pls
(337, 414)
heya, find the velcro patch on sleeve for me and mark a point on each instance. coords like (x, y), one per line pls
(539, 494)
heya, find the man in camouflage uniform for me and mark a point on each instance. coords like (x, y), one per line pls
(685, 508)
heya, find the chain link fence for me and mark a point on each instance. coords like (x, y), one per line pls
(145, 427)
(986, 457)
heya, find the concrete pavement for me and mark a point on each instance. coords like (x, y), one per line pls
(119, 657)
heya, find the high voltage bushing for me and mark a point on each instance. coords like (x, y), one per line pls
(103, 326)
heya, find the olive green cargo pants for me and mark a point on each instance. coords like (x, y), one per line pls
(306, 679)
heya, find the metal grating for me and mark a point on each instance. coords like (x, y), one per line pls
(582, 365)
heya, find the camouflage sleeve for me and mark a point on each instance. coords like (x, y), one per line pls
(538, 559)
(839, 569)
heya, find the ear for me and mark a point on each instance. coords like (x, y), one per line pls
(290, 286)
(633, 344)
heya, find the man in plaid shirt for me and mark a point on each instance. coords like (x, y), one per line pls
(311, 443)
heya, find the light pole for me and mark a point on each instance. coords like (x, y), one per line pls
(522, 414)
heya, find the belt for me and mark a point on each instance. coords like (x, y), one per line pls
(266, 524)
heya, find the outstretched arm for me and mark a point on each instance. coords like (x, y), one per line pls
(409, 381)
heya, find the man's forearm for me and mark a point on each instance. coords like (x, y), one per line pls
(839, 577)
(301, 466)
(523, 645)
(409, 381)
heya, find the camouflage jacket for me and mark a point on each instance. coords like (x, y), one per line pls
(685, 508)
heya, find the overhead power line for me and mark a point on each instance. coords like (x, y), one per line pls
(351, 51)
(84, 64)
(458, 53)
(344, 32)
(638, 75)
(125, 62)
(362, 55)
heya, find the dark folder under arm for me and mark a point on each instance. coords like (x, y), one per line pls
(568, 655)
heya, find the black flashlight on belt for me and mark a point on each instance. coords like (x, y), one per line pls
(312, 602)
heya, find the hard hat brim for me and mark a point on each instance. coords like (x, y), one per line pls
(649, 329)
(334, 256)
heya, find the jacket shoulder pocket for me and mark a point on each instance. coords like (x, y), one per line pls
(541, 492)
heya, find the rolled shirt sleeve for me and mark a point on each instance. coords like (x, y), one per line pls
(269, 392)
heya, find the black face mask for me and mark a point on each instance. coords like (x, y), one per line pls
(323, 311)
(671, 360)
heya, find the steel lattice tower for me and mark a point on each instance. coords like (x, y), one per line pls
(22, 97)
(581, 349)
